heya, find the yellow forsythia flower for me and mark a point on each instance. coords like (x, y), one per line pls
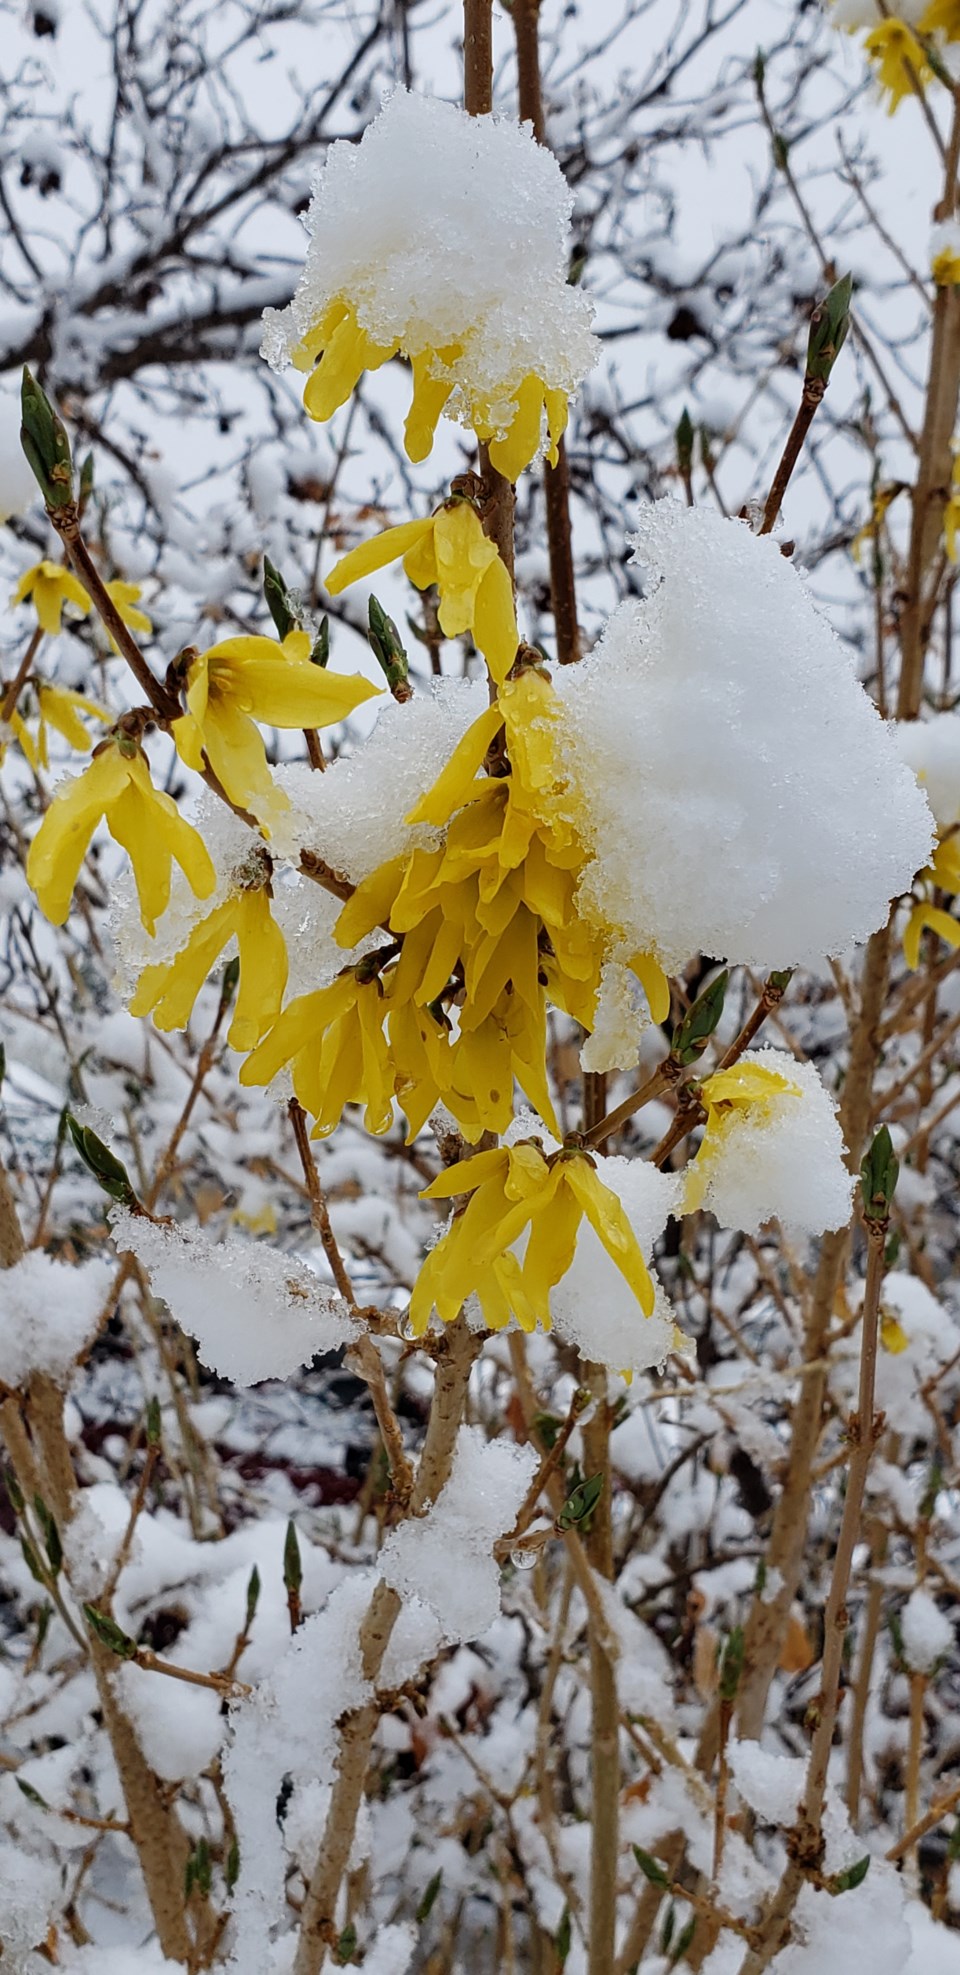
(245, 680)
(746, 1088)
(336, 352)
(893, 1337)
(452, 551)
(942, 17)
(169, 989)
(901, 66)
(515, 1188)
(943, 871)
(335, 1045)
(945, 267)
(117, 788)
(51, 585)
(126, 597)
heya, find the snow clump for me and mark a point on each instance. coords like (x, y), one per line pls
(255, 1312)
(780, 1160)
(49, 1312)
(446, 233)
(927, 1633)
(487, 1484)
(738, 789)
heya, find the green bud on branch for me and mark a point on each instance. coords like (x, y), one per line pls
(388, 649)
(684, 443)
(581, 1503)
(110, 1634)
(853, 1876)
(45, 444)
(107, 1170)
(320, 649)
(651, 1867)
(730, 1665)
(277, 599)
(829, 325)
(693, 1033)
(878, 1179)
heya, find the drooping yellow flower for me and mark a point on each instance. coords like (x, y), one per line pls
(514, 1189)
(168, 990)
(147, 823)
(451, 550)
(900, 64)
(126, 597)
(746, 1089)
(882, 500)
(334, 1043)
(51, 585)
(338, 350)
(60, 708)
(942, 17)
(925, 917)
(945, 267)
(243, 680)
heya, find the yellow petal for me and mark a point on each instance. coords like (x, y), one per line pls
(452, 786)
(654, 983)
(430, 394)
(301, 696)
(59, 847)
(495, 620)
(468, 1174)
(349, 352)
(169, 989)
(375, 554)
(749, 1083)
(463, 552)
(263, 969)
(558, 411)
(132, 822)
(303, 1021)
(371, 902)
(609, 1222)
(517, 447)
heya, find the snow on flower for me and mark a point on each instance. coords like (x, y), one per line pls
(739, 791)
(592, 1306)
(255, 1312)
(480, 1502)
(49, 1313)
(442, 237)
(771, 1148)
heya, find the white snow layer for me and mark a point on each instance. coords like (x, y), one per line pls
(783, 1160)
(255, 1312)
(445, 1558)
(443, 230)
(927, 1633)
(29, 1897)
(932, 749)
(741, 795)
(18, 488)
(49, 1313)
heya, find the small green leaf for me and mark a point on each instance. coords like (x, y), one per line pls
(581, 1503)
(346, 1947)
(44, 1616)
(563, 1937)
(425, 1908)
(683, 1941)
(953, 1848)
(878, 1177)
(154, 1422)
(684, 441)
(32, 1561)
(730, 1664)
(232, 1870)
(32, 1796)
(253, 1598)
(546, 1426)
(14, 1491)
(51, 1534)
(292, 1566)
(667, 1930)
(693, 1033)
(651, 1867)
(387, 645)
(845, 1882)
(277, 599)
(228, 985)
(829, 325)
(320, 649)
(110, 1634)
(45, 444)
(101, 1162)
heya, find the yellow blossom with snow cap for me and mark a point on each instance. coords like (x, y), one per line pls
(50, 585)
(244, 680)
(451, 550)
(747, 1089)
(334, 1043)
(943, 872)
(168, 990)
(116, 788)
(516, 1190)
(945, 254)
(901, 67)
(942, 17)
(494, 332)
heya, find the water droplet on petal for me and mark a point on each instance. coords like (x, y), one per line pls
(524, 1559)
